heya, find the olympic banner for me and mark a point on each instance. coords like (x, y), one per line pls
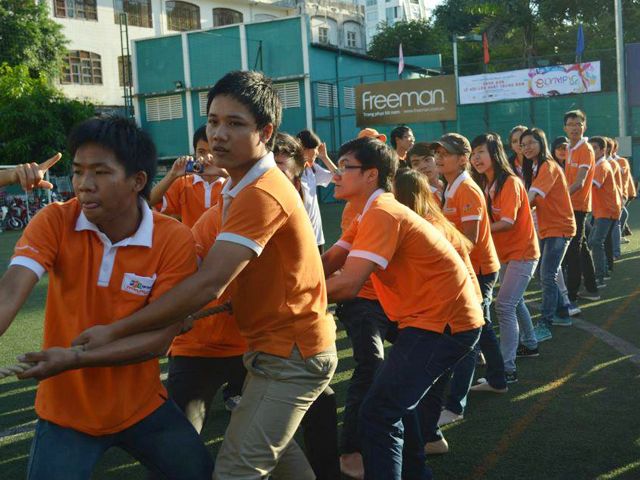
(531, 83)
(406, 101)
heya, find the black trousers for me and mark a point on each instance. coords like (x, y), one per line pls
(578, 260)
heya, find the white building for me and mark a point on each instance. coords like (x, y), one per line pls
(94, 69)
(391, 11)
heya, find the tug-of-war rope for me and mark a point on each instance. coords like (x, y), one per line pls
(24, 366)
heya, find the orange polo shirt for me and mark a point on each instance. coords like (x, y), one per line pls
(606, 196)
(511, 205)
(94, 282)
(348, 215)
(280, 298)
(464, 255)
(463, 202)
(617, 175)
(421, 281)
(580, 156)
(217, 335)
(625, 171)
(189, 197)
(553, 203)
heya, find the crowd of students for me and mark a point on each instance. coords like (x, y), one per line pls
(428, 230)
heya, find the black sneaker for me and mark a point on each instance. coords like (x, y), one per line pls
(527, 352)
(511, 377)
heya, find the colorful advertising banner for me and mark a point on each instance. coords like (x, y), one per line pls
(406, 101)
(531, 83)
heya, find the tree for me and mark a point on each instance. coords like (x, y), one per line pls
(418, 37)
(36, 117)
(29, 37)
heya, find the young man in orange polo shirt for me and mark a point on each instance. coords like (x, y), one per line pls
(579, 169)
(607, 206)
(422, 284)
(188, 195)
(279, 301)
(402, 140)
(107, 255)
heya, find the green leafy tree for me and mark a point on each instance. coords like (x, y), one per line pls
(418, 37)
(36, 118)
(29, 37)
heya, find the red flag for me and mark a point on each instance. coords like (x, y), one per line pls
(485, 48)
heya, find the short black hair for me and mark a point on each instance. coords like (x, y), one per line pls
(285, 144)
(398, 132)
(600, 141)
(199, 134)
(579, 114)
(132, 147)
(255, 91)
(309, 139)
(372, 153)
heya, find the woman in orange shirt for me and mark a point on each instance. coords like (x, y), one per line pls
(549, 194)
(516, 243)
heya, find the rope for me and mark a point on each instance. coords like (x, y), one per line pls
(24, 366)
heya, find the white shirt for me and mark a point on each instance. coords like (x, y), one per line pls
(312, 178)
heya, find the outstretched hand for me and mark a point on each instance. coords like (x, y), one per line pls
(48, 362)
(31, 175)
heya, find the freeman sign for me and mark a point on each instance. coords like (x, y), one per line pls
(406, 101)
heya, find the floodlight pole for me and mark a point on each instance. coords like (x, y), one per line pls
(620, 70)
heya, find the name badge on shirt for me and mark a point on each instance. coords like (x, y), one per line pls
(137, 284)
(449, 210)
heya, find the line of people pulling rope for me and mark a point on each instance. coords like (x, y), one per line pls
(420, 252)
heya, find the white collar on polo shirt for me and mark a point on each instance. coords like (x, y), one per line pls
(199, 179)
(451, 189)
(259, 168)
(143, 236)
(373, 196)
(600, 160)
(578, 145)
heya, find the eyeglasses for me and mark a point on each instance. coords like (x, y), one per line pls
(343, 167)
(529, 144)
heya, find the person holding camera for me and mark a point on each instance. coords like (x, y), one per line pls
(192, 186)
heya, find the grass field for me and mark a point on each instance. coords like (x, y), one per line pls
(572, 415)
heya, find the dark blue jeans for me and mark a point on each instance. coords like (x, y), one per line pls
(165, 442)
(367, 327)
(392, 443)
(490, 347)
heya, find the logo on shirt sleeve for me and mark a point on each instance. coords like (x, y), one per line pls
(137, 284)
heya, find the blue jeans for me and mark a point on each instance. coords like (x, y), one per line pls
(552, 250)
(488, 344)
(164, 441)
(597, 237)
(367, 327)
(392, 443)
(513, 315)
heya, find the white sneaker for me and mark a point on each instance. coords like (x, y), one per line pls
(439, 447)
(484, 386)
(447, 417)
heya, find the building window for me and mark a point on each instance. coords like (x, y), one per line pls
(351, 40)
(81, 9)
(323, 35)
(182, 16)
(392, 14)
(138, 12)
(159, 109)
(289, 94)
(82, 68)
(327, 95)
(349, 94)
(124, 70)
(371, 3)
(202, 103)
(226, 16)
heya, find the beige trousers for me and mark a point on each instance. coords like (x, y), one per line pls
(277, 393)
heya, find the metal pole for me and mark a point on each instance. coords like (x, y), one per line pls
(620, 70)
(455, 75)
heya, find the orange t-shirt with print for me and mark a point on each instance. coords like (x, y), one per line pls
(280, 299)
(421, 281)
(606, 196)
(463, 202)
(216, 335)
(92, 282)
(348, 215)
(553, 203)
(511, 205)
(625, 171)
(617, 175)
(189, 197)
(580, 156)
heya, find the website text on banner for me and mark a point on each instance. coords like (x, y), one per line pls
(531, 83)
